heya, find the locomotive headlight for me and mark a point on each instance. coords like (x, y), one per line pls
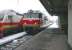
(25, 23)
(35, 23)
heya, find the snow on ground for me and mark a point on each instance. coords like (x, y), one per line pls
(11, 37)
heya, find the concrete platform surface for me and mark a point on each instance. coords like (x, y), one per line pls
(46, 41)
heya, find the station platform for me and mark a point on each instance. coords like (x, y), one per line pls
(46, 40)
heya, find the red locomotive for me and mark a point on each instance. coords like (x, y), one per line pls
(32, 20)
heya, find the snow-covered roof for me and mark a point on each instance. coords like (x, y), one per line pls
(9, 12)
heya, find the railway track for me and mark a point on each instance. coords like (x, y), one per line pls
(11, 45)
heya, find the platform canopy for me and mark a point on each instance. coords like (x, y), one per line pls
(56, 7)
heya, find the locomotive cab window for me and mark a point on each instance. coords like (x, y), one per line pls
(35, 15)
(1, 18)
(26, 15)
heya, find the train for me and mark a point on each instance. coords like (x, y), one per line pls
(12, 22)
(32, 20)
(9, 22)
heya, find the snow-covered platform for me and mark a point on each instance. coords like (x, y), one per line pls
(11, 37)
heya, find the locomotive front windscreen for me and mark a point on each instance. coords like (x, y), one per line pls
(33, 15)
